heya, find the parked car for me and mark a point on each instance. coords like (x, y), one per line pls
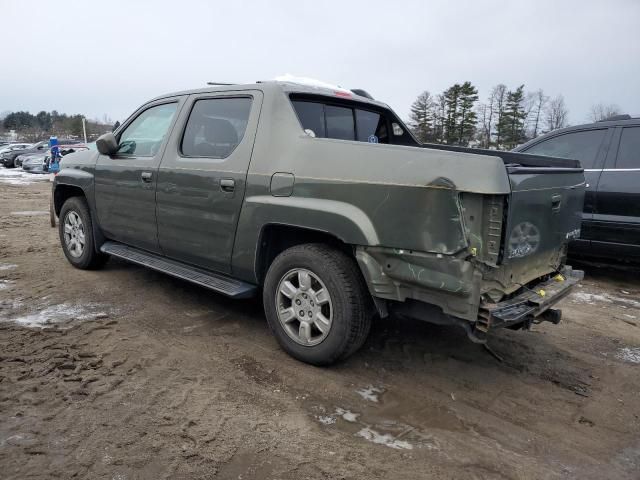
(8, 158)
(11, 147)
(22, 158)
(35, 163)
(323, 200)
(609, 151)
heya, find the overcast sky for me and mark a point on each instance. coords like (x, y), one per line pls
(108, 57)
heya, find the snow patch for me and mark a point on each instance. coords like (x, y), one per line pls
(326, 419)
(629, 354)
(592, 298)
(309, 82)
(30, 213)
(383, 439)
(370, 393)
(4, 284)
(7, 266)
(60, 314)
(347, 415)
(17, 176)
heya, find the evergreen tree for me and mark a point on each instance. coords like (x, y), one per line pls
(421, 117)
(452, 98)
(513, 118)
(467, 116)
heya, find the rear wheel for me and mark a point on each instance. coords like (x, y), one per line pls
(76, 235)
(317, 304)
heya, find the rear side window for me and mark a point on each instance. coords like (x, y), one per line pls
(311, 116)
(582, 146)
(215, 127)
(629, 150)
(343, 122)
(340, 122)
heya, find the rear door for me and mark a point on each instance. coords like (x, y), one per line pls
(202, 178)
(589, 146)
(125, 183)
(617, 215)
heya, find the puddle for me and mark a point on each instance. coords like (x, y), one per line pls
(60, 314)
(370, 393)
(31, 213)
(629, 354)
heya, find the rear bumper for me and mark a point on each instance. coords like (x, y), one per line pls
(527, 306)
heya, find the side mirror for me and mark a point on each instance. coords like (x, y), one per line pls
(107, 144)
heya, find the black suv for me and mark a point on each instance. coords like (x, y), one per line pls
(609, 151)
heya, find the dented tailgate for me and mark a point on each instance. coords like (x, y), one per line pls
(544, 213)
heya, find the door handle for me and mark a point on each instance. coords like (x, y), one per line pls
(146, 176)
(227, 184)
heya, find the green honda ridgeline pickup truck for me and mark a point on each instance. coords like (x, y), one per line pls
(322, 200)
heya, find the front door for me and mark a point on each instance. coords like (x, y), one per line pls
(125, 182)
(617, 214)
(202, 178)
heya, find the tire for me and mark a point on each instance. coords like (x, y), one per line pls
(308, 269)
(74, 226)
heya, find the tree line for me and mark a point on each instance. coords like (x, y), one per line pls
(507, 118)
(31, 127)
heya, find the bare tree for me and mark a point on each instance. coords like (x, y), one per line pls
(540, 102)
(556, 114)
(600, 111)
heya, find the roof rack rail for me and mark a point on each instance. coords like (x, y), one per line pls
(616, 117)
(219, 83)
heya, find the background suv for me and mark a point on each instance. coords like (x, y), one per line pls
(609, 151)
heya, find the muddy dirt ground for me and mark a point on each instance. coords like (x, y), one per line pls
(125, 373)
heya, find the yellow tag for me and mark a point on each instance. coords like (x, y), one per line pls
(559, 278)
(474, 251)
(542, 293)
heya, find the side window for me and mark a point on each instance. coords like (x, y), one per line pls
(372, 127)
(582, 146)
(311, 116)
(145, 134)
(340, 122)
(629, 150)
(215, 127)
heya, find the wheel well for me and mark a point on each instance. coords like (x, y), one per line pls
(62, 193)
(275, 239)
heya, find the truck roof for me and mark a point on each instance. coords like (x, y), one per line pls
(285, 86)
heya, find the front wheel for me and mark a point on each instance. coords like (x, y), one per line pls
(76, 235)
(317, 304)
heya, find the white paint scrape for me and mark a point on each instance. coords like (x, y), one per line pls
(629, 354)
(370, 393)
(383, 439)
